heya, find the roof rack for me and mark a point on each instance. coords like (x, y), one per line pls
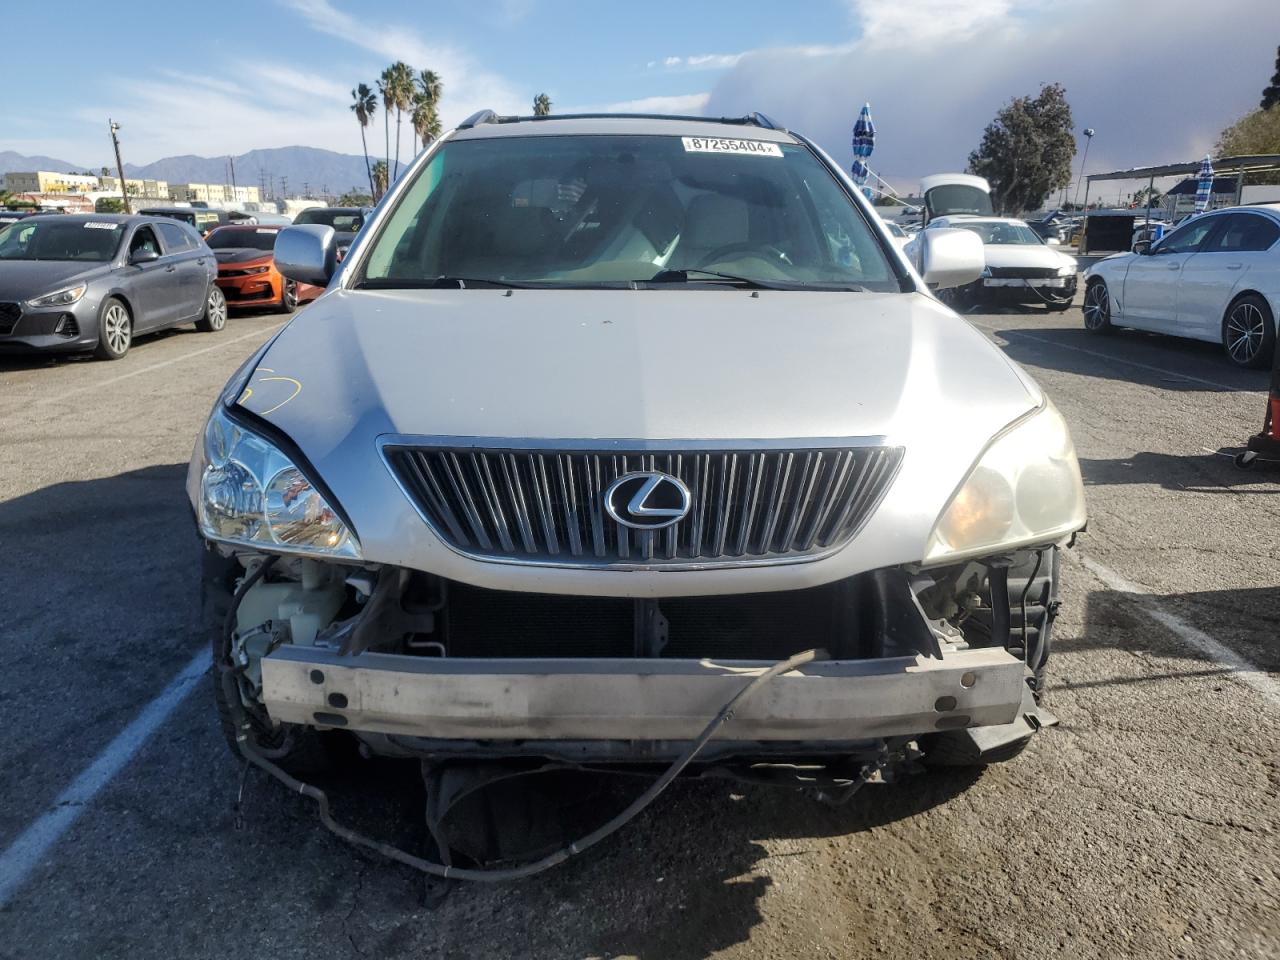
(755, 119)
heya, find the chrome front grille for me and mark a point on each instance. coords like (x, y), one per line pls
(754, 504)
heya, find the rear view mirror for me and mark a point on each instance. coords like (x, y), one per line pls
(143, 255)
(1054, 242)
(306, 253)
(1142, 247)
(950, 257)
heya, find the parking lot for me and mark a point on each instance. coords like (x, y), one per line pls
(1145, 825)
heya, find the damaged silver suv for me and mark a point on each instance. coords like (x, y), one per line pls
(603, 422)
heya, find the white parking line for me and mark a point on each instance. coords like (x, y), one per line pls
(29, 849)
(1242, 669)
(261, 332)
(1114, 359)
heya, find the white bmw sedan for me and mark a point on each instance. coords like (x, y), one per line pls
(1216, 278)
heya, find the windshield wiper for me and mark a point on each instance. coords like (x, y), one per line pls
(696, 273)
(440, 283)
(749, 283)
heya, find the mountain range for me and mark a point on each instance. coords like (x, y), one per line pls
(320, 169)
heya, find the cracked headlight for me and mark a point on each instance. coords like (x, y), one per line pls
(253, 494)
(1024, 489)
(62, 298)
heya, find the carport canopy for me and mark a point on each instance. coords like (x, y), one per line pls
(1223, 168)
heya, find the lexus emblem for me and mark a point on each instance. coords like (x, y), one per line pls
(647, 501)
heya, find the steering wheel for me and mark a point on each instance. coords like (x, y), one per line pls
(724, 252)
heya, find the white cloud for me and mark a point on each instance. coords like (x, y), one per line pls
(686, 103)
(921, 24)
(1139, 75)
(700, 61)
(468, 86)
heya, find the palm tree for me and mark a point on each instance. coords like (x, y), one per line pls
(402, 90)
(379, 178)
(430, 87)
(364, 104)
(541, 105)
(387, 90)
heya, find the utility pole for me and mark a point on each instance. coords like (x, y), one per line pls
(284, 188)
(1088, 139)
(232, 161)
(115, 141)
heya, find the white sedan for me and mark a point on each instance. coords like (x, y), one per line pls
(1216, 278)
(1020, 266)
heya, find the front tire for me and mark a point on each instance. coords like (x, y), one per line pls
(115, 330)
(1249, 332)
(215, 311)
(1097, 307)
(289, 296)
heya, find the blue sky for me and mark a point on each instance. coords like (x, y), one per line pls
(230, 76)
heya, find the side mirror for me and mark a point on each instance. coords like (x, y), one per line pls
(306, 253)
(1054, 242)
(143, 255)
(949, 257)
(1142, 247)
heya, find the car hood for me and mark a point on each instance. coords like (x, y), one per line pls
(25, 279)
(241, 254)
(732, 365)
(1025, 255)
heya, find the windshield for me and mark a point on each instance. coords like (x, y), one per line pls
(36, 239)
(612, 210)
(953, 198)
(1000, 233)
(894, 229)
(256, 238)
(343, 221)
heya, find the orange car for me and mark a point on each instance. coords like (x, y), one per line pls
(247, 270)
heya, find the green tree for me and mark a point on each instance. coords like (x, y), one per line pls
(355, 198)
(1140, 197)
(364, 105)
(426, 107)
(387, 91)
(402, 91)
(1271, 93)
(108, 205)
(541, 105)
(380, 178)
(1026, 151)
(1254, 133)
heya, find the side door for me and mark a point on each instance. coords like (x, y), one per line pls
(1150, 299)
(152, 280)
(193, 278)
(1231, 259)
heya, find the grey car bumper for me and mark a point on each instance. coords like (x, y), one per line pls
(612, 699)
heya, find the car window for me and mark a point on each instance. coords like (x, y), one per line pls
(255, 238)
(144, 238)
(175, 237)
(58, 239)
(999, 234)
(1244, 233)
(584, 210)
(1188, 237)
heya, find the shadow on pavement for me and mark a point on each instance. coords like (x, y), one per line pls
(1190, 358)
(1198, 473)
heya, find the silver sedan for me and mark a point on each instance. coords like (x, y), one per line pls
(95, 281)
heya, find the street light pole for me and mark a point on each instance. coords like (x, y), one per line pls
(1088, 139)
(115, 141)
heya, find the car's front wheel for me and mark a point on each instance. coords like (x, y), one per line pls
(1249, 332)
(215, 311)
(115, 330)
(289, 297)
(1097, 307)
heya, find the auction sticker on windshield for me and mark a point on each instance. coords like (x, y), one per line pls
(716, 145)
(96, 225)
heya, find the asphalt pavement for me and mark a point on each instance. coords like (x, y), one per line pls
(1144, 826)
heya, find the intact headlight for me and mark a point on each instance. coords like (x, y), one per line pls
(252, 494)
(1067, 270)
(62, 298)
(1024, 489)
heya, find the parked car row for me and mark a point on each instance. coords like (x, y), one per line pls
(93, 282)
